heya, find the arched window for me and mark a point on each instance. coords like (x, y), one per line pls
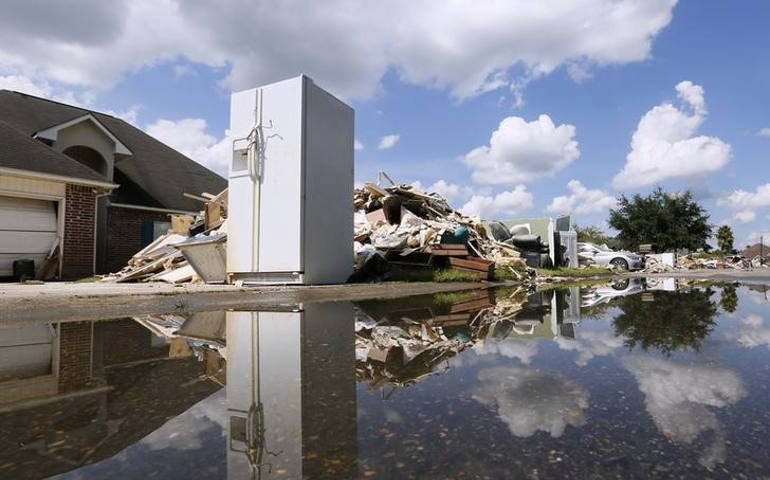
(88, 157)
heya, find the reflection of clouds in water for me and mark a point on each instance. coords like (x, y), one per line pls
(523, 349)
(751, 332)
(676, 397)
(590, 344)
(528, 399)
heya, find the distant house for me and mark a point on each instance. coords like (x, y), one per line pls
(99, 185)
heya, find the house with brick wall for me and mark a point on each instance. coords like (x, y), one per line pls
(91, 183)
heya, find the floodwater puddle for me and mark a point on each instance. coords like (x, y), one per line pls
(637, 379)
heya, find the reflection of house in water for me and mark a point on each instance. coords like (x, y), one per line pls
(74, 393)
(291, 393)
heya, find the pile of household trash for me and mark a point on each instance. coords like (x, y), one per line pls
(193, 250)
(694, 261)
(586, 255)
(400, 225)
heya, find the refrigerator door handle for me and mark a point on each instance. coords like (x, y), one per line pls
(253, 153)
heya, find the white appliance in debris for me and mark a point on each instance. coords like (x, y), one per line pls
(290, 216)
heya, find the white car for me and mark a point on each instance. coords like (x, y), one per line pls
(605, 257)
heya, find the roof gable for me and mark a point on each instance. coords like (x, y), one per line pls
(52, 133)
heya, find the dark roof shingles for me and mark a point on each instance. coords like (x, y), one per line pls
(20, 151)
(162, 172)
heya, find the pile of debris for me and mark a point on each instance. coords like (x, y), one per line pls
(695, 261)
(193, 250)
(654, 264)
(586, 255)
(399, 225)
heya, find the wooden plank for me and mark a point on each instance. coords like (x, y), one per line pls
(148, 269)
(48, 267)
(448, 250)
(181, 223)
(452, 319)
(177, 275)
(472, 263)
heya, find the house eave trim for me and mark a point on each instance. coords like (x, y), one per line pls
(152, 209)
(15, 172)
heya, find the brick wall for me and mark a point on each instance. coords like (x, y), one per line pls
(80, 209)
(124, 234)
(74, 355)
(126, 341)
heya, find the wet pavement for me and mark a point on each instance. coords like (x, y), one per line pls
(657, 378)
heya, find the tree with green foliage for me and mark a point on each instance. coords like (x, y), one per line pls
(593, 234)
(725, 239)
(669, 221)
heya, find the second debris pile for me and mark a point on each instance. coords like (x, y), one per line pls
(400, 225)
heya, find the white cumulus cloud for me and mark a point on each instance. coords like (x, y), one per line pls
(520, 151)
(744, 203)
(582, 201)
(503, 205)
(388, 141)
(465, 47)
(745, 216)
(450, 191)
(665, 144)
(764, 132)
(358, 145)
(189, 137)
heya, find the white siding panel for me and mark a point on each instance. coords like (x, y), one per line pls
(26, 242)
(28, 228)
(27, 214)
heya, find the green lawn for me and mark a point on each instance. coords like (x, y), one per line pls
(574, 272)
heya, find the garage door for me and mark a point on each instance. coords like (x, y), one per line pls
(27, 230)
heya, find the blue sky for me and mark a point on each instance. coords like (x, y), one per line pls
(562, 88)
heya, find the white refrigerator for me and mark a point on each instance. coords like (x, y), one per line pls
(290, 213)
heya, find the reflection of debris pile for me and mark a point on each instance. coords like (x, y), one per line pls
(402, 226)
(401, 347)
(192, 250)
(401, 354)
(200, 335)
